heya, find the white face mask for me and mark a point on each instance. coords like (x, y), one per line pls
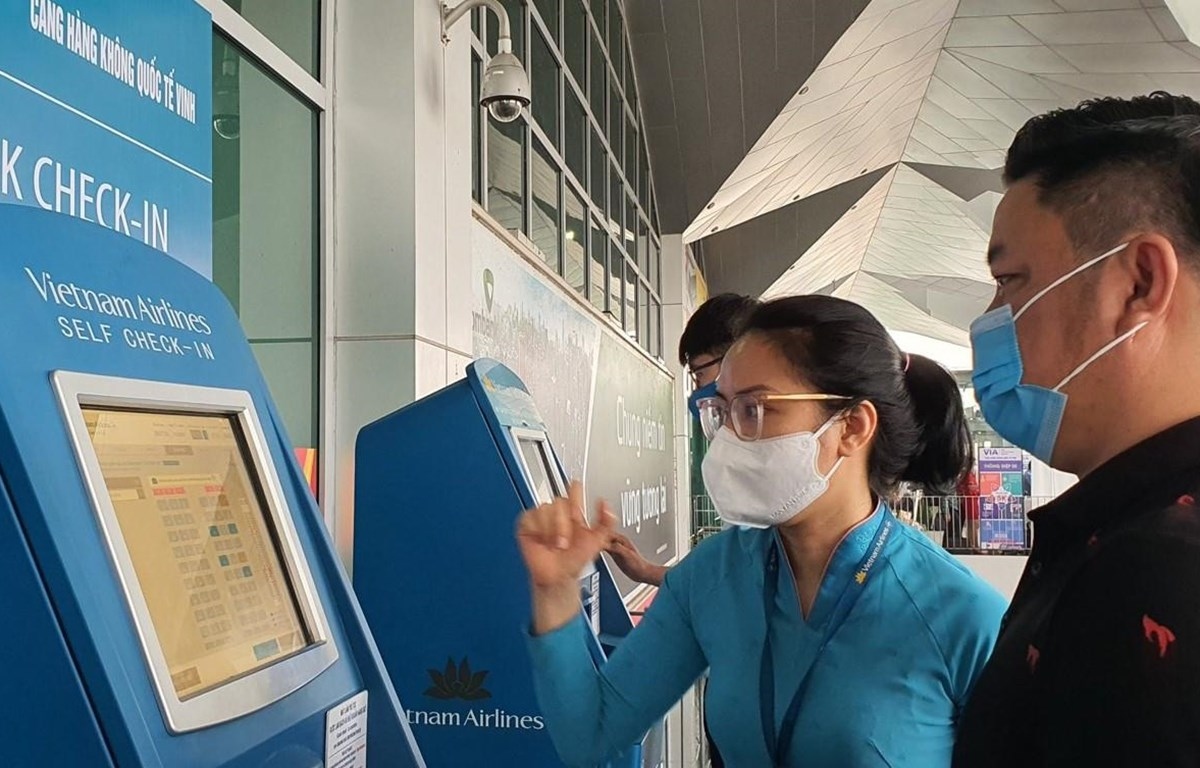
(765, 482)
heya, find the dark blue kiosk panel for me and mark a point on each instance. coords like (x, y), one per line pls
(170, 595)
(439, 486)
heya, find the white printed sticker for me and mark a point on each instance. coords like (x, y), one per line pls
(346, 734)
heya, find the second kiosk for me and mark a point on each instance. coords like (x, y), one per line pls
(439, 486)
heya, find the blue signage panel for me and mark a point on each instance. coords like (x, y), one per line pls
(105, 116)
(82, 633)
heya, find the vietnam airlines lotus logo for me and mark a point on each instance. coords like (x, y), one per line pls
(458, 682)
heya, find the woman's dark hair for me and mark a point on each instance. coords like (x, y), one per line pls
(840, 348)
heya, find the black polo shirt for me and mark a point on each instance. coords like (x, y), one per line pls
(1098, 660)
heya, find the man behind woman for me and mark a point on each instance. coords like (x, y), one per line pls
(833, 635)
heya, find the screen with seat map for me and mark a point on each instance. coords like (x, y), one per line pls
(203, 546)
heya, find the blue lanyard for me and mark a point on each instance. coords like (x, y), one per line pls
(778, 742)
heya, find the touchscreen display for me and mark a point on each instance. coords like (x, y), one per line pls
(192, 516)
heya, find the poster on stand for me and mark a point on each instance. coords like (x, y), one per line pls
(1002, 502)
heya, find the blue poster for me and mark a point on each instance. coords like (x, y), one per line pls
(106, 114)
(1002, 503)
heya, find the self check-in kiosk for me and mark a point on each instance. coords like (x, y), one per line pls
(439, 486)
(170, 595)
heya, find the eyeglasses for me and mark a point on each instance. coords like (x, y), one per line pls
(745, 412)
(695, 372)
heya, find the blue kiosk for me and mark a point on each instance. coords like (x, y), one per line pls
(438, 488)
(171, 597)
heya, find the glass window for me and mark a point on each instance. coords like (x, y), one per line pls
(575, 253)
(616, 203)
(631, 154)
(616, 284)
(644, 316)
(516, 18)
(598, 281)
(506, 173)
(599, 14)
(548, 10)
(599, 185)
(643, 172)
(655, 266)
(599, 83)
(266, 230)
(651, 205)
(476, 144)
(577, 133)
(545, 87)
(293, 25)
(546, 184)
(631, 318)
(575, 41)
(616, 122)
(630, 85)
(643, 248)
(615, 34)
(656, 345)
(630, 230)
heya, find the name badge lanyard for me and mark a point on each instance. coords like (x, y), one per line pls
(779, 742)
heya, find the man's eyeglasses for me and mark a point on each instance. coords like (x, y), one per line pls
(745, 412)
(695, 372)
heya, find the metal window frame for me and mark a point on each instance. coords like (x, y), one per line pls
(569, 87)
(317, 93)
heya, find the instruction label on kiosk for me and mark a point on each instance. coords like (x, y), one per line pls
(346, 734)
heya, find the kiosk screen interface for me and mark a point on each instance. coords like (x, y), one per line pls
(202, 544)
(536, 462)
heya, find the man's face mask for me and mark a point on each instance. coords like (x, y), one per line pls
(708, 390)
(1026, 415)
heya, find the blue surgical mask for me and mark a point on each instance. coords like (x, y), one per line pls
(708, 390)
(1026, 415)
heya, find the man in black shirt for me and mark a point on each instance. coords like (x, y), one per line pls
(1090, 359)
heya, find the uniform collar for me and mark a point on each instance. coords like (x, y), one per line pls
(842, 566)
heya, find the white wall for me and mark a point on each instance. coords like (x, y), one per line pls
(402, 164)
(676, 310)
(1048, 482)
(400, 325)
(1001, 571)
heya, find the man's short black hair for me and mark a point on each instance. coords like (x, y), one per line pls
(715, 326)
(1111, 166)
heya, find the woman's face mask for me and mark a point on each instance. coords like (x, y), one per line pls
(762, 483)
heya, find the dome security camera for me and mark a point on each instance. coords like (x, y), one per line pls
(505, 88)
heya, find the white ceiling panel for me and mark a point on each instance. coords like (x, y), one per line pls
(1097, 5)
(972, 8)
(1147, 58)
(1032, 59)
(892, 51)
(987, 31)
(915, 82)
(1094, 27)
(1168, 25)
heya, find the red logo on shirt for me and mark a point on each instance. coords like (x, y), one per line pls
(1158, 635)
(1031, 657)
(1187, 501)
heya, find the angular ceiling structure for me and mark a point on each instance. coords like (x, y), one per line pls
(929, 93)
